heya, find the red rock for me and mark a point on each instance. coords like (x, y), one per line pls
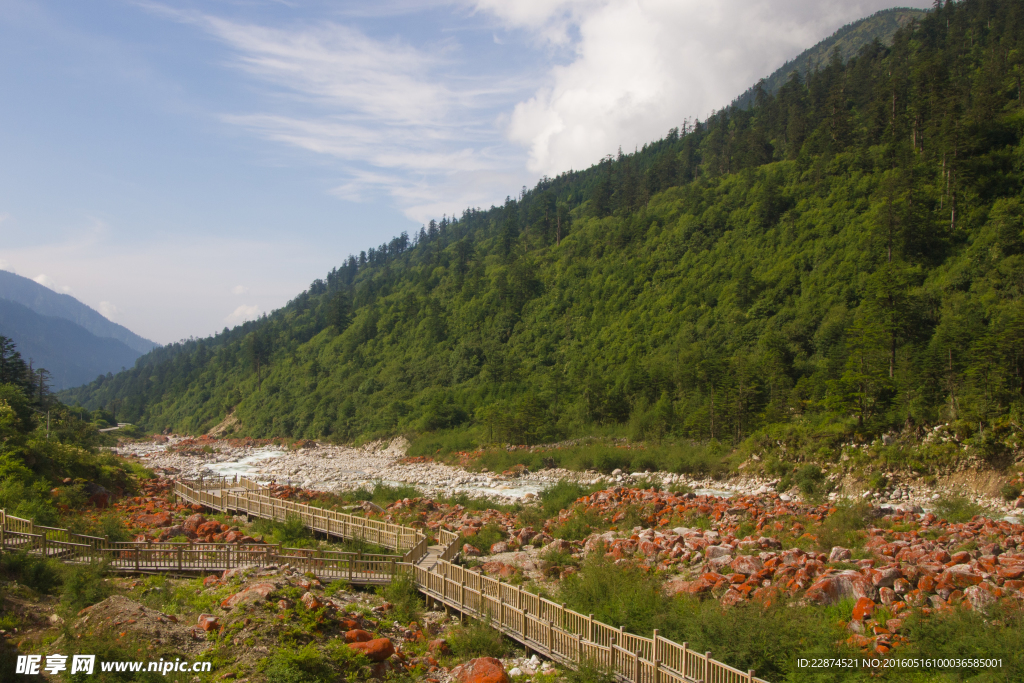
(155, 520)
(886, 595)
(864, 608)
(251, 594)
(439, 647)
(1012, 572)
(482, 670)
(358, 635)
(499, 547)
(193, 523)
(926, 584)
(208, 622)
(978, 597)
(377, 650)
(207, 528)
(470, 551)
(210, 580)
(839, 554)
(311, 601)
(961, 576)
(844, 585)
(746, 564)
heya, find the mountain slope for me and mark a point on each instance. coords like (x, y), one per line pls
(848, 40)
(71, 354)
(46, 302)
(824, 263)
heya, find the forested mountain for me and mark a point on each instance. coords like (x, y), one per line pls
(846, 254)
(70, 353)
(848, 41)
(45, 301)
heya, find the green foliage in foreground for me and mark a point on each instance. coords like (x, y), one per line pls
(846, 256)
(770, 639)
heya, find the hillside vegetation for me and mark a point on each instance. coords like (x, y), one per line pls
(843, 258)
(848, 41)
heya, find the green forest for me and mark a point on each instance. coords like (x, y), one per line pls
(845, 255)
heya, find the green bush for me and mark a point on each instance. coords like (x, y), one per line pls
(83, 585)
(402, 593)
(844, 526)
(808, 479)
(478, 639)
(956, 509)
(589, 671)
(306, 665)
(1010, 491)
(487, 536)
(38, 573)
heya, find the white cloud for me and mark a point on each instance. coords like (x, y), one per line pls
(47, 281)
(402, 118)
(243, 313)
(108, 309)
(5, 265)
(640, 68)
(239, 289)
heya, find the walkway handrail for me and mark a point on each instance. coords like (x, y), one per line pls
(541, 624)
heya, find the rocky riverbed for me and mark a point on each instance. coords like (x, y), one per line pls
(323, 467)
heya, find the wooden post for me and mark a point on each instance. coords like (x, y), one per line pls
(707, 665)
(590, 627)
(639, 671)
(685, 647)
(611, 652)
(657, 671)
(579, 648)
(750, 676)
(654, 646)
(551, 638)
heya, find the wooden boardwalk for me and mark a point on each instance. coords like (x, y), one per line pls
(540, 624)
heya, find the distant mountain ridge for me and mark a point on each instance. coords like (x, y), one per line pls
(46, 302)
(72, 355)
(849, 40)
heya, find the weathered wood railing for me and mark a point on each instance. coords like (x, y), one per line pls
(541, 624)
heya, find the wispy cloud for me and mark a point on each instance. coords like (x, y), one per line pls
(47, 281)
(108, 309)
(399, 116)
(239, 289)
(243, 313)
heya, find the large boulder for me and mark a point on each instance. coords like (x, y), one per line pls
(377, 650)
(841, 586)
(192, 523)
(255, 593)
(482, 670)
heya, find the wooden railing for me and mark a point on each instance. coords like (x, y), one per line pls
(545, 626)
(540, 624)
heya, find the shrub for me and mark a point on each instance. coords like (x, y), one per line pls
(478, 639)
(843, 527)
(402, 593)
(1010, 491)
(38, 573)
(956, 509)
(306, 665)
(808, 479)
(83, 586)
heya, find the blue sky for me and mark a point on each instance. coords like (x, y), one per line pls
(182, 166)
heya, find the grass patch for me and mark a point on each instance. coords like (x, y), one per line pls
(844, 527)
(402, 593)
(40, 574)
(957, 509)
(478, 639)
